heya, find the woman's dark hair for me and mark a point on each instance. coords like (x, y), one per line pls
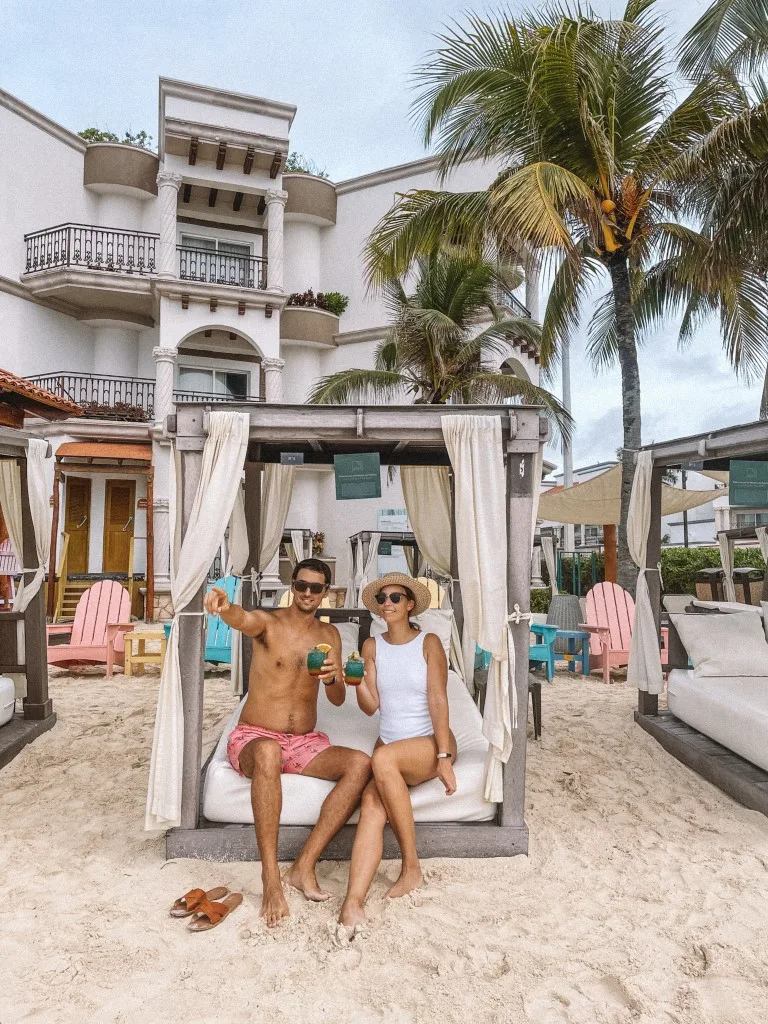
(314, 565)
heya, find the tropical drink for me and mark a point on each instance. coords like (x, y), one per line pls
(354, 670)
(316, 657)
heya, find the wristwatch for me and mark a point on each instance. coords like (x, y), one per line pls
(444, 755)
(332, 682)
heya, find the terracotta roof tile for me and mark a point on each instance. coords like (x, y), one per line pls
(11, 384)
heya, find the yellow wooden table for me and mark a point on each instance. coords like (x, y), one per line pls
(135, 662)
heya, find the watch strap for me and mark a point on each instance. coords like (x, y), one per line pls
(449, 756)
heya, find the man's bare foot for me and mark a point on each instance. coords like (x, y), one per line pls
(306, 881)
(273, 905)
(352, 915)
(409, 880)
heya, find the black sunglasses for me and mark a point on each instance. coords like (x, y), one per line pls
(302, 587)
(394, 598)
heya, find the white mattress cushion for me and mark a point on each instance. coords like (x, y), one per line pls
(724, 645)
(350, 634)
(434, 620)
(731, 710)
(227, 795)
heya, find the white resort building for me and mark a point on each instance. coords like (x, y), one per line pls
(132, 281)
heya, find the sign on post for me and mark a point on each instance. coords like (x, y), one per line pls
(748, 483)
(291, 458)
(357, 476)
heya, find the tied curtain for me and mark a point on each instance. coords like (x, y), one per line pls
(475, 448)
(298, 549)
(762, 540)
(222, 463)
(548, 550)
(644, 670)
(727, 546)
(361, 571)
(350, 598)
(276, 492)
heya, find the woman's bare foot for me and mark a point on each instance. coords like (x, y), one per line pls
(352, 915)
(306, 881)
(410, 879)
(273, 905)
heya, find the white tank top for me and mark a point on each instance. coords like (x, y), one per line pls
(401, 679)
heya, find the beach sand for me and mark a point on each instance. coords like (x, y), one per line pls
(643, 900)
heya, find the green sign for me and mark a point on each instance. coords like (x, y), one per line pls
(357, 476)
(748, 483)
(385, 547)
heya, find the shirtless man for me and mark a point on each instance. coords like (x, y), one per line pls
(275, 732)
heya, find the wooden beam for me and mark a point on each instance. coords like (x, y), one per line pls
(277, 160)
(611, 554)
(261, 207)
(212, 196)
(237, 202)
(520, 490)
(648, 703)
(37, 704)
(186, 192)
(149, 611)
(194, 142)
(191, 652)
(221, 156)
(248, 161)
(54, 539)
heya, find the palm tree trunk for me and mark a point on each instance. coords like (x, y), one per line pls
(764, 398)
(630, 406)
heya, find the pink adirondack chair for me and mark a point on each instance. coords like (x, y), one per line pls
(102, 617)
(610, 612)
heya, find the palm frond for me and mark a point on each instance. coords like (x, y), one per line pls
(486, 388)
(733, 32)
(367, 386)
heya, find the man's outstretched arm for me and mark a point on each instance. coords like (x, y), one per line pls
(252, 623)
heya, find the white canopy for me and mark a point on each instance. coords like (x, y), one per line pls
(598, 500)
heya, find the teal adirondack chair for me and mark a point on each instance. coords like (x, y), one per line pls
(218, 639)
(544, 651)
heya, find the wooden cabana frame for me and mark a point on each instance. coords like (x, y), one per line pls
(29, 656)
(402, 435)
(709, 451)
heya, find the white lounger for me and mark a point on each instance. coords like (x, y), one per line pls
(732, 711)
(227, 795)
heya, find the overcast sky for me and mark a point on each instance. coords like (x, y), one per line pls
(347, 66)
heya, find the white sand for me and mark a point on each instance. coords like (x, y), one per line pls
(644, 899)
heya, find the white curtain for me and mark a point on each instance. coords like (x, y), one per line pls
(427, 496)
(237, 547)
(548, 549)
(299, 548)
(644, 670)
(762, 540)
(370, 569)
(10, 500)
(350, 598)
(727, 547)
(475, 448)
(222, 462)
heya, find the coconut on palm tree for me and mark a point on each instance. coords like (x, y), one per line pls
(598, 152)
(447, 342)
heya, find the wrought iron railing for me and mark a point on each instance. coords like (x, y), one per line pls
(95, 248)
(503, 297)
(102, 396)
(214, 267)
(180, 397)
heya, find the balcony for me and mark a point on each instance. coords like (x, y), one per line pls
(103, 397)
(197, 397)
(93, 248)
(211, 267)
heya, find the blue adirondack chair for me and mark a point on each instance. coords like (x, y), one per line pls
(218, 639)
(543, 652)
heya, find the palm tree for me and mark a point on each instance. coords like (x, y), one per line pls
(597, 152)
(446, 342)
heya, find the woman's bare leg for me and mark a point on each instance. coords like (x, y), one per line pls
(366, 856)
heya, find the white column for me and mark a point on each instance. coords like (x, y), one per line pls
(275, 199)
(162, 530)
(532, 292)
(168, 185)
(165, 358)
(273, 379)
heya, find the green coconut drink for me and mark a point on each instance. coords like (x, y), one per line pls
(354, 670)
(316, 658)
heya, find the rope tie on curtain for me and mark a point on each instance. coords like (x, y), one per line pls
(519, 616)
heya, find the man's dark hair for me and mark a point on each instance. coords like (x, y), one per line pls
(314, 565)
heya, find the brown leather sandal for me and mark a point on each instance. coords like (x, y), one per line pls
(186, 905)
(210, 914)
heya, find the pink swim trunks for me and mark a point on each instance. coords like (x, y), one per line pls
(297, 750)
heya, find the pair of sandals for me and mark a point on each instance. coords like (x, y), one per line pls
(208, 908)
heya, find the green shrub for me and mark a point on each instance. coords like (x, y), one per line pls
(540, 599)
(680, 565)
(335, 302)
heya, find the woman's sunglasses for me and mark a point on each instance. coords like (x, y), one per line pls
(302, 587)
(394, 598)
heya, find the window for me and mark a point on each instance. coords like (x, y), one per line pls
(213, 382)
(216, 245)
(751, 519)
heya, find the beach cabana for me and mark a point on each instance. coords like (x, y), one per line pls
(495, 457)
(717, 723)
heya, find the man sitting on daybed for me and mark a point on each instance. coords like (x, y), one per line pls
(275, 732)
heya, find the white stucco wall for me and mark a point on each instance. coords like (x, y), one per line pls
(116, 351)
(37, 340)
(302, 256)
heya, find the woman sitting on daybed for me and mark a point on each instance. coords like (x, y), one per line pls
(406, 677)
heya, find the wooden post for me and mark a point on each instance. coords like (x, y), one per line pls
(253, 472)
(191, 653)
(456, 601)
(37, 704)
(648, 703)
(54, 541)
(611, 554)
(149, 611)
(520, 489)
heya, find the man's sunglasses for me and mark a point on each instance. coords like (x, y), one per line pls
(302, 587)
(394, 598)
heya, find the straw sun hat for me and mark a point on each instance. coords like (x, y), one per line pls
(421, 594)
